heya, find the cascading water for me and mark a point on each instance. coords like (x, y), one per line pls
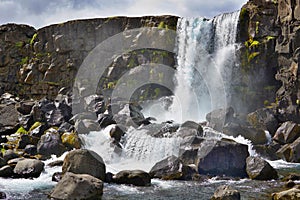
(206, 58)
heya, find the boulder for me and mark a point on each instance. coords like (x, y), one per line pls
(293, 193)
(9, 119)
(9, 154)
(259, 169)
(105, 119)
(193, 125)
(257, 136)
(2, 195)
(290, 152)
(172, 168)
(226, 192)
(57, 176)
(6, 171)
(218, 118)
(25, 107)
(263, 119)
(132, 177)
(84, 126)
(83, 161)
(50, 143)
(29, 168)
(117, 132)
(222, 157)
(30, 150)
(288, 132)
(78, 186)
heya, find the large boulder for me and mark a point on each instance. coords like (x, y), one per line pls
(9, 119)
(132, 177)
(29, 168)
(290, 194)
(222, 157)
(288, 132)
(290, 152)
(78, 186)
(192, 125)
(83, 161)
(50, 143)
(226, 192)
(259, 169)
(172, 168)
(6, 171)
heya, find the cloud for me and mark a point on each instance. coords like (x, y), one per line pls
(40, 13)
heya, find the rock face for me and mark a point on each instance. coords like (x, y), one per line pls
(290, 152)
(224, 157)
(259, 169)
(29, 168)
(288, 132)
(38, 63)
(78, 186)
(215, 157)
(132, 177)
(84, 161)
(225, 192)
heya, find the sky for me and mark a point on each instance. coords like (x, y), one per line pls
(39, 13)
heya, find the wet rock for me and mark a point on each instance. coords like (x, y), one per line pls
(132, 177)
(224, 157)
(29, 168)
(109, 177)
(287, 194)
(50, 143)
(23, 141)
(226, 192)
(25, 107)
(94, 103)
(30, 150)
(2, 195)
(37, 129)
(65, 127)
(288, 132)
(78, 186)
(172, 168)
(57, 176)
(6, 171)
(268, 151)
(84, 161)
(56, 163)
(257, 136)
(193, 125)
(105, 119)
(116, 132)
(289, 152)
(13, 162)
(259, 169)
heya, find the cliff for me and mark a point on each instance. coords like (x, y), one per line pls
(270, 33)
(38, 63)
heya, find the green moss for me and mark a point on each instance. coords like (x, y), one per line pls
(111, 85)
(256, 27)
(33, 39)
(35, 125)
(21, 131)
(24, 60)
(162, 25)
(268, 38)
(157, 92)
(252, 56)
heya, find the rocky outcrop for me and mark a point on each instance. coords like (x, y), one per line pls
(38, 63)
(84, 161)
(78, 186)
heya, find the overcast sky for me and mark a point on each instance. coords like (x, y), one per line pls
(39, 13)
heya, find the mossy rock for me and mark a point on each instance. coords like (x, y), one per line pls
(71, 140)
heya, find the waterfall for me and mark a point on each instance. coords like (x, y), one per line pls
(205, 58)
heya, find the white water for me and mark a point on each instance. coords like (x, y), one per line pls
(206, 57)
